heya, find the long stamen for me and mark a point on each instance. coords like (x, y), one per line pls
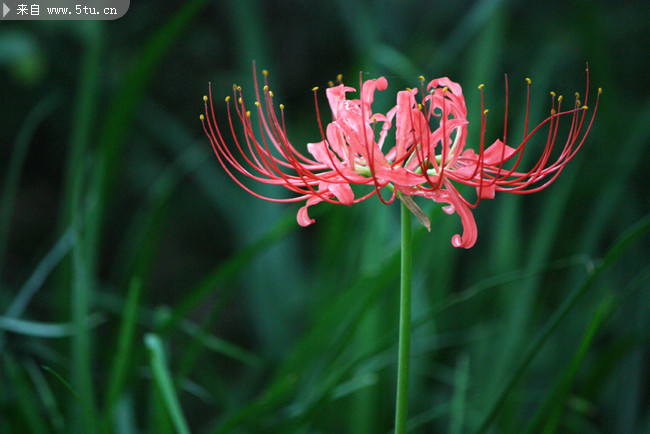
(528, 83)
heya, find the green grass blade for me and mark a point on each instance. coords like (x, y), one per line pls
(421, 419)
(25, 396)
(45, 330)
(459, 399)
(113, 135)
(605, 208)
(81, 345)
(36, 280)
(89, 411)
(16, 163)
(313, 356)
(163, 381)
(367, 401)
(559, 395)
(41, 272)
(380, 355)
(228, 270)
(86, 104)
(213, 343)
(272, 397)
(548, 415)
(631, 404)
(144, 232)
(125, 344)
(481, 14)
(632, 235)
(203, 341)
(159, 421)
(111, 142)
(46, 395)
(149, 318)
(492, 282)
(177, 138)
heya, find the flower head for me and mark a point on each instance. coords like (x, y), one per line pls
(427, 158)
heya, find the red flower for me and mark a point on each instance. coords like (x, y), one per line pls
(425, 161)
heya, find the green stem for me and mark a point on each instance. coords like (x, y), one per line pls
(403, 361)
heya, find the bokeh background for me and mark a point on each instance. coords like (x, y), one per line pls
(142, 291)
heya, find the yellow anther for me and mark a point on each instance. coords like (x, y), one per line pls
(577, 95)
(257, 103)
(315, 88)
(528, 80)
(374, 120)
(485, 111)
(265, 88)
(248, 114)
(445, 89)
(408, 89)
(553, 94)
(600, 90)
(552, 111)
(559, 98)
(205, 97)
(578, 103)
(281, 106)
(330, 83)
(239, 88)
(271, 93)
(339, 78)
(265, 72)
(584, 107)
(234, 87)
(227, 98)
(420, 106)
(240, 101)
(421, 78)
(201, 117)
(481, 86)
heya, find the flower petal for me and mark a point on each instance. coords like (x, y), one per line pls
(450, 196)
(487, 190)
(302, 217)
(497, 153)
(368, 92)
(322, 153)
(342, 191)
(336, 96)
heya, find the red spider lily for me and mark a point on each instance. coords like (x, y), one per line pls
(425, 160)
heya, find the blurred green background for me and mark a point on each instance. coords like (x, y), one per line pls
(141, 290)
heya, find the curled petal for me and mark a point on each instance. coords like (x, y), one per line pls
(336, 96)
(446, 82)
(470, 233)
(455, 203)
(327, 190)
(368, 92)
(302, 217)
